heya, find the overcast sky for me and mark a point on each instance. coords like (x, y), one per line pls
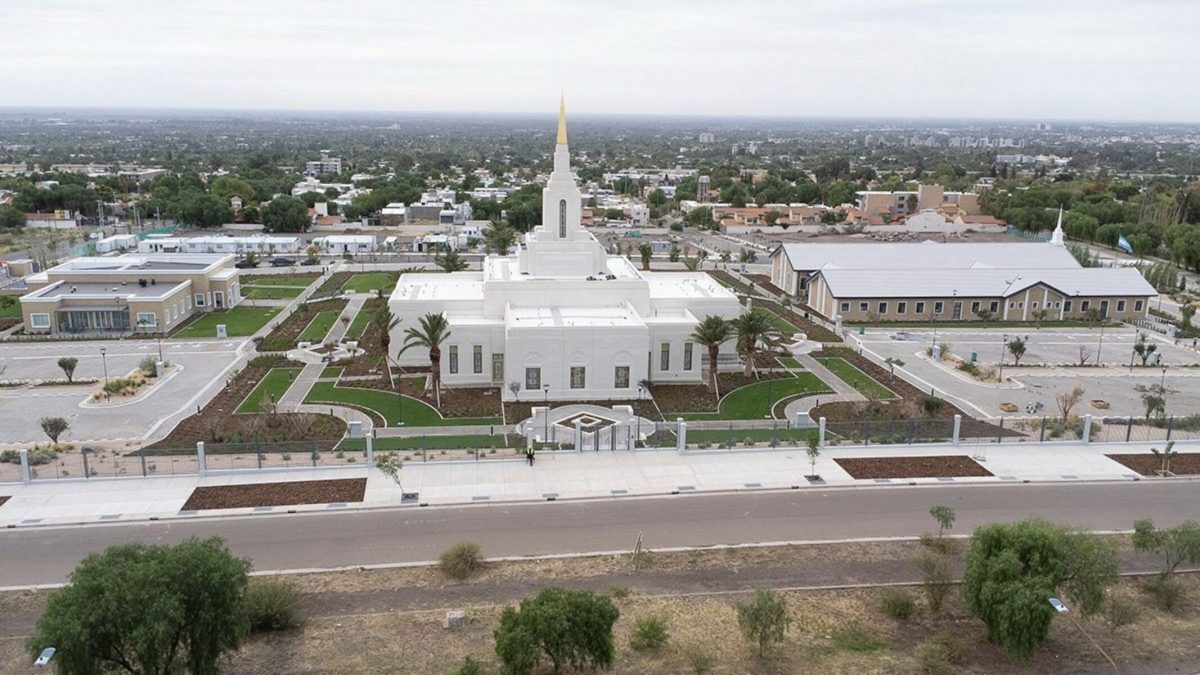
(1042, 59)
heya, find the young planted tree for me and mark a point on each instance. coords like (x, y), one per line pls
(1039, 315)
(984, 315)
(570, 629)
(1154, 403)
(500, 238)
(1177, 545)
(451, 261)
(725, 257)
(712, 332)
(754, 332)
(673, 254)
(1144, 348)
(67, 364)
(747, 255)
(764, 620)
(1016, 347)
(433, 330)
(646, 252)
(1085, 353)
(1165, 456)
(944, 515)
(54, 427)
(1067, 402)
(1013, 569)
(148, 609)
(389, 464)
(892, 362)
(813, 451)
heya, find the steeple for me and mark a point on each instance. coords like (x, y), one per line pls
(562, 121)
(1057, 238)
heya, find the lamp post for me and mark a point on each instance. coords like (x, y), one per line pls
(546, 414)
(1003, 348)
(1162, 384)
(1063, 610)
(104, 362)
(1101, 345)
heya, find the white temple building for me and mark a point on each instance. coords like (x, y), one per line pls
(560, 319)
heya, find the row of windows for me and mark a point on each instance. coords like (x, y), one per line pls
(477, 358)
(993, 306)
(664, 356)
(533, 377)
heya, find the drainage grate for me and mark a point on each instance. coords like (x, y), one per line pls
(31, 521)
(480, 498)
(336, 505)
(752, 485)
(687, 488)
(550, 495)
(883, 480)
(264, 509)
(1008, 478)
(1067, 476)
(945, 479)
(619, 492)
(110, 516)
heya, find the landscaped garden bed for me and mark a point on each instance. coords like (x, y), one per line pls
(860, 381)
(293, 279)
(1148, 465)
(812, 330)
(291, 493)
(240, 321)
(4, 498)
(333, 285)
(288, 332)
(384, 407)
(691, 398)
(953, 466)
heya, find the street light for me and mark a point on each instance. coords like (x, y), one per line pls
(1003, 347)
(104, 361)
(1063, 610)
(546, 413)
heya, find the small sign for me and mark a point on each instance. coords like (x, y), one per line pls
(221, 332)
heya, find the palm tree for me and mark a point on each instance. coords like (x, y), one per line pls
(385, 321)
(754, 331)
(712, 332)
(433, 331)
(500, 238)
(450, 262)
(646, 251)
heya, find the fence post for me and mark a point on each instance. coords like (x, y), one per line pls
(201, 463)
(578, 436)
(529, 435)
(25, 478)
(370, 452)
(1042, 433)
(681, 434)
(1170, 425)
(1000, 431)
(86, 471)
(141, 456)
(774, 429)
(821, 432)
(1129, 429)
(1087, 429)
(957, 429)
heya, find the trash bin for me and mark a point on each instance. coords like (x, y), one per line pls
(862, 330)
(974, 357)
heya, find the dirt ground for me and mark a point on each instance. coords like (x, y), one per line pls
(288, 493)
(1147, 464)
(911, 467)
(389, 621)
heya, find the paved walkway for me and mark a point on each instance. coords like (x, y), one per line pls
(564, 475)
(835, 383)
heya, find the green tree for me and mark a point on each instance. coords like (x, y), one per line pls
(11, 217)
(1154, 403)
(285, 214)
(646, 251)
(201, 210)
(1016, 347)
(1177, 545)
(657, 198)
(1165, 456)
(384, 321)
(54, 427)
(500, 237)
(572, 629)
(450, 261)
(1143, 347)
(944, 515)
(754, 331)
(673, 255)
(747, 256)
(700, 217)
(67, 364)
(148, 609)
(712, 332)
(1013, 569)
(389, 464)
(434, 329)
(764, 620)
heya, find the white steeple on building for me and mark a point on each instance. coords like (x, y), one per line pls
(1057, 237)
(560, 318)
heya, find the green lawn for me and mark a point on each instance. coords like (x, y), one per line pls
(779, 323)
(264, 280)
(358, 325)
(270, 292)
(789, 362)
(457, 442)
(369, 282)
(865, 384)
(318, 328)
(754, 401)
(239, 322)
(332, 371)
(274, 383)
(782, 435)
(10, 309)
(385, 406)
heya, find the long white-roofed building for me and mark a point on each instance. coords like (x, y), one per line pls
(559, 318)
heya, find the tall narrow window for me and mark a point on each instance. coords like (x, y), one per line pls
(665, 357)
(477, 359)
(562, 219)
(578, 373)
(453, 359)
(687, 356)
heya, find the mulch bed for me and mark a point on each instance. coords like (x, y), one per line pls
(737, 284)
(811, 330)
(954, 466)
(285, 334)
(217, 423)
(369, 341)
(4, 498)
(763, 281)
(1148, 465)
(333, 285)
(681, 398)
(276, 494)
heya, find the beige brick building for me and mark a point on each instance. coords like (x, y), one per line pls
(123, 294)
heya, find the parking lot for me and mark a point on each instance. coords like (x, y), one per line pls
(200, 363)
(1048, 369)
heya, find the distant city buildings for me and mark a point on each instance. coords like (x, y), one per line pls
(324, 165)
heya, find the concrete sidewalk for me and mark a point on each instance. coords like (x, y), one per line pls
(562, 476)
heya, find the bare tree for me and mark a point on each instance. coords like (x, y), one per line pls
(1085, 353)
(1068, 401)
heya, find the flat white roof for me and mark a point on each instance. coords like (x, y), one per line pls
(1087, 281)
(690, 285)
(927, 255)
(456, 286)
(571, 317)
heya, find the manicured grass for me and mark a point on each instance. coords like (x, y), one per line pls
(385, 406)
(10, 310)
(275, 383)
(359, 324)
(318, 328)
(263, 280)
(369, 282)
(239, 322)
(332, 371)
(456, 442)
(270, 292)
(863, 383)
(779, 323)
(751, 401)
(789, 362)
(782, 435)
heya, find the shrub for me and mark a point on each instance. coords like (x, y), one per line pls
(931, 405)
(936, 578)
(571, 629)
(37, 457)
(149, 366)
(461, 559)
(699, 660)
(1166, 591)
(649, 633)
(1119, 612)
(470, 667)
(856, 639)
(897, 603)
(619, 592)
(764, 620)
(271, 605)
(939, 654)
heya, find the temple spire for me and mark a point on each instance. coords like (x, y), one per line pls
(1057, 237)
(562, 121)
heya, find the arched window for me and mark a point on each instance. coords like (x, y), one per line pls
(562, 219)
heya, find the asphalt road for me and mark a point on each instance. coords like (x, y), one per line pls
(347, 538)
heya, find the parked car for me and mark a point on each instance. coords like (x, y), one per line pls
(246, 264)
(310, 261)
(282, 262)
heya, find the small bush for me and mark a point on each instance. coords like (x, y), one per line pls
(940, 544)
(37, 457)
(271, 605)
(931, 405)
(1119, 612)
(936, 578)
(939, 654)
(619, 592)
(149, 366)
(470, 667)
(460, 560)
(856, 639)
(897, 603)
(649, 633)
(1166, 591)
(699, 661)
